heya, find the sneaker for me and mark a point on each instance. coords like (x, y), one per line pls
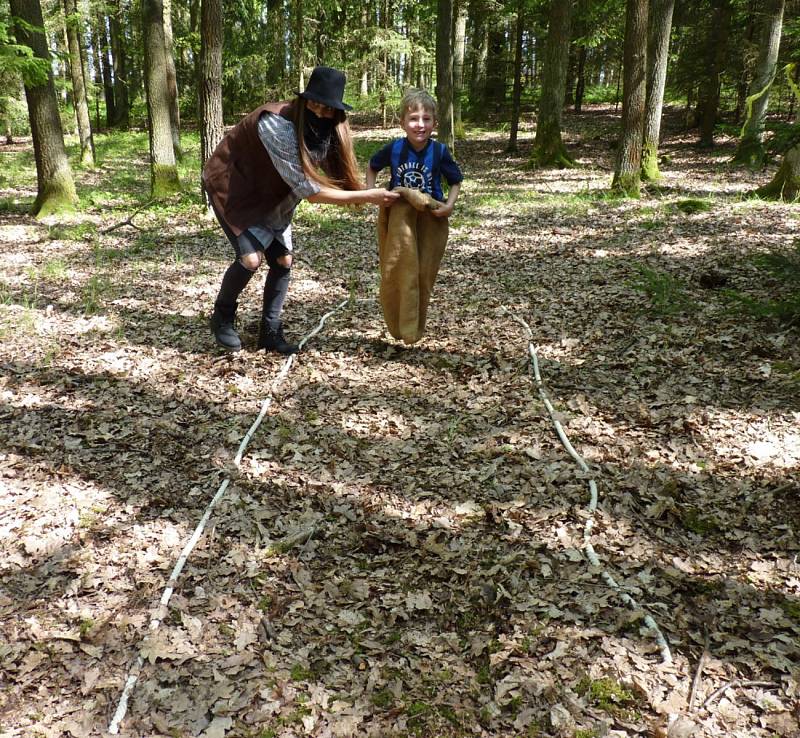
(272, 339)
(224, 332)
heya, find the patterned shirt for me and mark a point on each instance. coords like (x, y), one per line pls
(280, 140)
(418, 170)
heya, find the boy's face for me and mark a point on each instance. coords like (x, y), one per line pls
(418, 124)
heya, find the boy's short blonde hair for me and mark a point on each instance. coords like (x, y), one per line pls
(415, 98)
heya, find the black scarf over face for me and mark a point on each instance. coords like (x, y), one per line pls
(318, 134)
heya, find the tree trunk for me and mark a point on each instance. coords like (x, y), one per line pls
(548, 148)
(276, 51)
(627, 173)
(660, 26)
(785, 185)
(478, 52)
(55, 186)
(744, 77)
(495, 94)
(119, 49)
(97, 75)
(211, 122)
(517, 94)
(172, 81)
(750, 151)
(73, 24)
(444, 71)
(459, 36)
(163, 171)
(105, 66)
(580, 82)
(717, 49)
(298, 68)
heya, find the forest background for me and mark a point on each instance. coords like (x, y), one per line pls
(405, 548)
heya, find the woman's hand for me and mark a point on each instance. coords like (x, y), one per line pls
(379, 196)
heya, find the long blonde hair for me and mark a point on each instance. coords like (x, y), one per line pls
(339, 167)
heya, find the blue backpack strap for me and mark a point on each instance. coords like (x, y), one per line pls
(438, 152)
(399, 156)
(436, 174)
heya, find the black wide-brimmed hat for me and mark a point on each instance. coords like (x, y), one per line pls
(326, 86)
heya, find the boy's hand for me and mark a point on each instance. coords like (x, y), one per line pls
(443, 210)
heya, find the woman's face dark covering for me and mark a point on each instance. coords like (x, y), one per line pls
(318, 133)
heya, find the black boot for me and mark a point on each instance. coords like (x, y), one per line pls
(224, 332)
(271, 338)
(234, 281)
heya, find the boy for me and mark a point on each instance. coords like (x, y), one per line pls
(412, 233)
(416, 161)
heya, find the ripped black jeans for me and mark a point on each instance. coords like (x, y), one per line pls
(237, 277)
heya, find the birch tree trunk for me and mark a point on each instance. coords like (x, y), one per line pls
(210, 93)
(660, 26)
(55, 186)
(750, 151)
(627, 173)
(548, 148)
(73, 23)
(106, 68)
(163, 171)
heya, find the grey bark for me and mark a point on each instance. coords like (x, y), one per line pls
(163, 171)
(627, 176)
(73, 23)
(751, 147)
(548, 148)
(444, 71)
(660, 27)
(55, 186)
(459, 38)
(172, 81)
(211, 38)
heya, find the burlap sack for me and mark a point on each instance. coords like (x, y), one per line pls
(411, 243)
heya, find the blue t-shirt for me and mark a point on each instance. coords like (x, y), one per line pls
(418, 170)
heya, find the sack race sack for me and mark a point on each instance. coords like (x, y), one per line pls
(411, 244)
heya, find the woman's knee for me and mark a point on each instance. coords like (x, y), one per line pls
(252, 261)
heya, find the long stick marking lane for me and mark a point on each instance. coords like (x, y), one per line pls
(161, 610)
(591, 555)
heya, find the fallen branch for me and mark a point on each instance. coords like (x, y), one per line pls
(698, 674)
(738, 683)
(288, 542)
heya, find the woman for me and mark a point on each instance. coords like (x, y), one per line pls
(255, 179)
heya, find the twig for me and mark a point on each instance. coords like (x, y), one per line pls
(129, 220)
(738, 683)
(698, 674)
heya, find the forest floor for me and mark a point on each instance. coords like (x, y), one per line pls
(444, 588)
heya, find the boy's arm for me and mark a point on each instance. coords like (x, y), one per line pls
(446, 208)
(372, 175)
